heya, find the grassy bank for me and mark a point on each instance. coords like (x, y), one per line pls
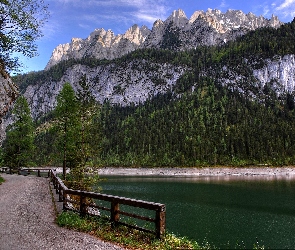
(130, 238)
(123, 236)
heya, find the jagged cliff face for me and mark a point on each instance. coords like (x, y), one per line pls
(203, 28)
(135, 81)
(132, 82)
(8, 94)
(277, 74)
(138, 80)
(100, 44)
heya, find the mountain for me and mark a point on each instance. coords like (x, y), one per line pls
(218, 88)
(136, 66)
(177, 32)
(8, 94)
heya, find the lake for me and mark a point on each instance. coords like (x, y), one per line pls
(225, 211)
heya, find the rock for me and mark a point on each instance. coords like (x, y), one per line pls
(203, 28)
(132, 82)
(279, 72)
(8, 94)
(135, 81)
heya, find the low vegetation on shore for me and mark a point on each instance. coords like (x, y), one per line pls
(130, 238)
(123, 236)
(1, 180)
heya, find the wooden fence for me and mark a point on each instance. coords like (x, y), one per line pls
(114, 206)
(26, 171)
(114, 209)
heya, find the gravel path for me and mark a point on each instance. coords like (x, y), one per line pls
(27, 219)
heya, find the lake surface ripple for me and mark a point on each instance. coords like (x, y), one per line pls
(225, 211)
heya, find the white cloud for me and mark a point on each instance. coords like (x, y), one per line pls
(223, 4)
(144, 10)
(126, 12)
(266, 10)
(286, 4)
(49, 30)
(285, 8)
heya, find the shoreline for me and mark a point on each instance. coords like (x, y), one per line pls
(202, 171)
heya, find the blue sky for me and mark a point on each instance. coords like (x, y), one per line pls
(78, 18)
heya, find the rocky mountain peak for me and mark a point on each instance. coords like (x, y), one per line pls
(178, 18)
(136, 35)
(233, 20)
(203, 28)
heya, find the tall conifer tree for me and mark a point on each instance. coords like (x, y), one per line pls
(67, 125)
(19, 143)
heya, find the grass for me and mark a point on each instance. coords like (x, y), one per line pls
(1, 180)
(123, 236)
(130, 238)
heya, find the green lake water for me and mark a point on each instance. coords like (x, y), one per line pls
(224, 211)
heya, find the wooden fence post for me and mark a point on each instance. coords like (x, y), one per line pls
(83, 206)
(64, 204)
(115, 212)
(60, 195)
(160, 222)
(55, 183)
(39, 173)
(57, 188)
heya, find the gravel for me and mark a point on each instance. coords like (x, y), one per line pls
(259, 171)
(27, 219)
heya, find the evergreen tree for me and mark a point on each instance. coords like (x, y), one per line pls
(19, 143)
(67, 126)
(88, 140)
(89, 134)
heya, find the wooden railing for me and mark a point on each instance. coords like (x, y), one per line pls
(113, 207)
(114, 202)
(26, 171)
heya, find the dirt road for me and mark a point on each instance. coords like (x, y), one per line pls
(27, 219)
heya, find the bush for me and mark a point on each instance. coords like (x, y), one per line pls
(1, 180)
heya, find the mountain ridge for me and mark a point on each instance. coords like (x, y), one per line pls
(203, 28)
(229, 104)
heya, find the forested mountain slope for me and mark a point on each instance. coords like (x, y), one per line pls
(226, 104)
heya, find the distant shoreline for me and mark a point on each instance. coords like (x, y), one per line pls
(288, 172)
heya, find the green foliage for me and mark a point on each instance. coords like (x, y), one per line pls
(19, 143)
(1, 156)
(201, 122)
(89, 134)
(73, 221)
(131, 238)
(124, 236)
(1, 180)
(75, 132)
(211, 126)
(20, 27)
(67, 125)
